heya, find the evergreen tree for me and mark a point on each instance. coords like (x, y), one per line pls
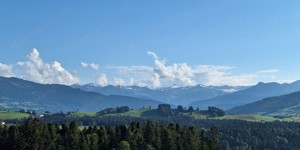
(203, 140)
(191, 139)
(123, 145)
(214, 138)
(83, 145)
(94, 141)
(14, 139)
(149, 133)
(73, 134)
(103, 139)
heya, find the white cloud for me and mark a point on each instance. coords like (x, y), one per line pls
(184, 75)
(181, 74)
(269, 71)
(102, 80)
(118, 81)
(152, 54)
(91, 65)
(155, 81)
(85, 65)
(159, 75)
(221, 75)
(6, 70)
(178, 73)
(38, 71)
(94, 66)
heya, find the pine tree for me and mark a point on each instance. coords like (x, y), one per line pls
(103, 139)
(214, 138)
(203, 140)
(191, 139)
(149, 133)
(123, 145)
(73, 136)
(83, 145)
(14, 139)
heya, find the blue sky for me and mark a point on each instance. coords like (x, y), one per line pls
(151, 43)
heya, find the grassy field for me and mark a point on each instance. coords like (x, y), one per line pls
(133, 113)
(292, 119)
(254, 117)
(82, 114)
(247, 118)
(258, 118)
(137, 113)
(12, 115)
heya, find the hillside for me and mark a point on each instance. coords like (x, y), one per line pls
(284, 105)
(17, 93)
(252, 94)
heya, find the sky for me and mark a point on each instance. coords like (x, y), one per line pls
(150, 43)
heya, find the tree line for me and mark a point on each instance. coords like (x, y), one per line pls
(36, 135)
(234, 134)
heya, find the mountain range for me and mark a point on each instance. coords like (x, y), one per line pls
(172, 95)
(249, 95)
(21, 94)
(264, 98)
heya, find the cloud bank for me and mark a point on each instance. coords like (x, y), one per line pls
(161, 74)
(182, 74)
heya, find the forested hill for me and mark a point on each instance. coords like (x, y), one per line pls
(281, 105)
(17, 93)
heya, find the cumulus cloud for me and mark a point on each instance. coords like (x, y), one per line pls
(6, 70)
(155, 81)
(102, 80)
(184, 75)
(91, 65)
(181, 74)
(38, 71)
(118, 81)
(178, 73)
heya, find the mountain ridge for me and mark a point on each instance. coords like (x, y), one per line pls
(284, 105)
(259, 91)
(176, 96)
(21, 94)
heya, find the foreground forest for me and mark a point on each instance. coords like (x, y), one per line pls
(233, 134)
(35, 135)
